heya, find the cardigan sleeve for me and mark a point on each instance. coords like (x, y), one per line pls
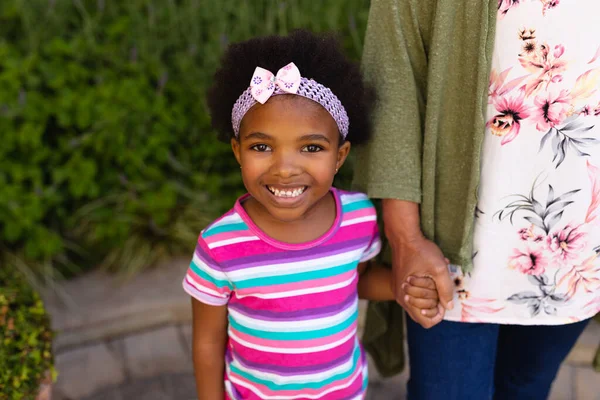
(395, 63)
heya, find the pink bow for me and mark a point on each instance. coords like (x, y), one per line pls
(263, 82)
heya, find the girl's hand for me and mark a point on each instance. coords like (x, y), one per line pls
(422, 296)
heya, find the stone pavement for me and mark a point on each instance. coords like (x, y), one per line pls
(131, 340)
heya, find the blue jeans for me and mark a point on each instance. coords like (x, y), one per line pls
(468, 361)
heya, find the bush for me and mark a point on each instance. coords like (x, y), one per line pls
(26, 338)
(106, 151)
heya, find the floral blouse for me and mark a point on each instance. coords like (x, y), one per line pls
(537, 226)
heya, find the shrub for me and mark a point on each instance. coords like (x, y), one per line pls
(26, 338)
(106, 151)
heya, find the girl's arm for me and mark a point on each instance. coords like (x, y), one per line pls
(374, 282)
(209, 341)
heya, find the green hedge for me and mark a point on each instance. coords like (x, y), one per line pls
(106, 151)
(25, 338)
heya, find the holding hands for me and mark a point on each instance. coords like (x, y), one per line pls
(421, 280)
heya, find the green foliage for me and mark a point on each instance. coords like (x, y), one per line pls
(25, 338)
(106, 150)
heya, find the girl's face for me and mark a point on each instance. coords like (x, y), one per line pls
(289, 152)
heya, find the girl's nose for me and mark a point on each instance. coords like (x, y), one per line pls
(286, 165)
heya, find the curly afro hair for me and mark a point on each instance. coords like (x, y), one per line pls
(318, 57)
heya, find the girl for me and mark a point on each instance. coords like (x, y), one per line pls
(275, 281)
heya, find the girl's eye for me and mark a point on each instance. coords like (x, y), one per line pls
(312, 148)
(260, 147)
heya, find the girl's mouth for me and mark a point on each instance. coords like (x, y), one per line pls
(287, 192)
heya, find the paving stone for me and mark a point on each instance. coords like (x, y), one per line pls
(146, 389)
(386, 388)
(102, 305)
(183, 386)
(86, 369)
(186, 330)
(563, 387)
(156, 352)
(587, 384)
(585, 348)
(113, 393)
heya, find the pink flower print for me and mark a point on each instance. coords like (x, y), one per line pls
(473, 308)
(530, 261)
(497, 86)
(529, 234)
(546, 64)
(551, 110)
(567, 245)
(548, 4)
(505, 5)
(584, 276)
(559, 51)
(593, 212)
(507, 124)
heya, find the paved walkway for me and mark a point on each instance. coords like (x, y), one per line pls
(131, 340)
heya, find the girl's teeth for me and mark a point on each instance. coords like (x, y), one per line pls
(287, 193)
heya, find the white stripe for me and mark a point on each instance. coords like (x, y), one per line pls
(298, 396)
(291, 293)
(230, 390)
(203, 297)
(295, 266)
(213, 273)
(287, 350)
(314, 377)
(353, 198)
(355, 221)
(239, 239)
(203, 288)
(372, 252)
(294, 326)
(230, 219)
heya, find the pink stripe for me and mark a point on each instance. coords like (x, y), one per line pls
(300, 360)
(237, 250)
(201, 282)
(291, 344)
(363, 212)
(356, 384)
(305, 301)
(228, 235)
(286, 287)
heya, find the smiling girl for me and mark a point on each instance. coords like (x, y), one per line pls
(275, 281)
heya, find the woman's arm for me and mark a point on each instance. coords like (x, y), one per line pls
(209, 341)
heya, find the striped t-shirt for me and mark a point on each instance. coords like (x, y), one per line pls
(292, 308)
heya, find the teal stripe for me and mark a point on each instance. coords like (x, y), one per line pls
(292, 278)
(217, 282)
(239, 226)
(302, 385)
(357, 205)
(307, 335)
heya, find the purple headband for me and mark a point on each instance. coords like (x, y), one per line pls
(287, 81)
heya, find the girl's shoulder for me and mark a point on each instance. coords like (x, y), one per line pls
(230, 222)
(354, 200)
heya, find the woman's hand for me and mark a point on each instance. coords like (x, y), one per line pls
(421, 258)
(414, 255)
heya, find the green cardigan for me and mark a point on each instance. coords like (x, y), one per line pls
(429, 61)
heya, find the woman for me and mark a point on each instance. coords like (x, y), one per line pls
(486, 151)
